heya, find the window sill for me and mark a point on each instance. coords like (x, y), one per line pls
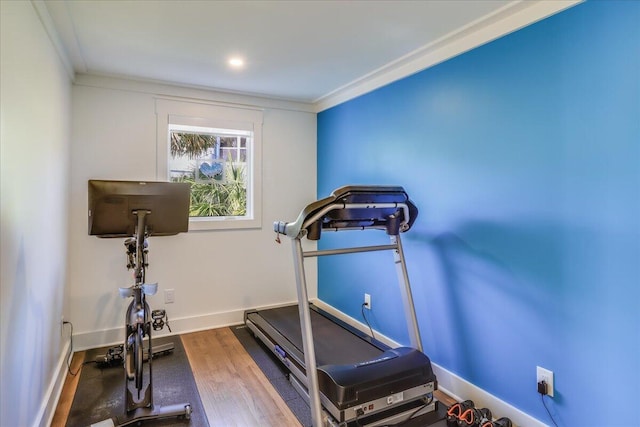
(223, 223)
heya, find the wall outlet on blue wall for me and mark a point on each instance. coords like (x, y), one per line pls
(367, 301)
(546, 376)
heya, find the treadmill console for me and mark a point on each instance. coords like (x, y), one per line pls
(354, 207)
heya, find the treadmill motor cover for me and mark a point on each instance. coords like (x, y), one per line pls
(393, 371)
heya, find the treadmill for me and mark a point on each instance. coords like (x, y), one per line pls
(357, 380)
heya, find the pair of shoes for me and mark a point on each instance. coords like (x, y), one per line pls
(501, 422)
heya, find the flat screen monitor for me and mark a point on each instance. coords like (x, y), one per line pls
(112, 205)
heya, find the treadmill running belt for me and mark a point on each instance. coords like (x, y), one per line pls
(334, 345)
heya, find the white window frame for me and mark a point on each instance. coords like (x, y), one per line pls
(202, 114)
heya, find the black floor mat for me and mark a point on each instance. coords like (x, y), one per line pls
(100, 392)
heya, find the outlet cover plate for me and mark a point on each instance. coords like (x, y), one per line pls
(169, 296)
(545, 375)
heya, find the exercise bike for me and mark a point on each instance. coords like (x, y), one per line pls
(139, 319)
(139, 395)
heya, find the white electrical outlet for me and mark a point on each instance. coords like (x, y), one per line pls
(545, 375)
(169, 296)
(367, 301)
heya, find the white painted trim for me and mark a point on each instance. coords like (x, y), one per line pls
(48, 26)
(193, 92)
(448, 382)
(183, 325)
(505, 20)
(52, 396)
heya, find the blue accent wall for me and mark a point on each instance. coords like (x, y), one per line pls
(523, 156)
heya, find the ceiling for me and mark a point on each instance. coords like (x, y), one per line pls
(295, 50)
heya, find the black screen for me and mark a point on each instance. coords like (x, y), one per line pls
(112, 205)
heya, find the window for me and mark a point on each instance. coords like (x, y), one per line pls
(214, 162)
(217, 150)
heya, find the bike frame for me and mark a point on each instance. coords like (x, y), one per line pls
(138, 326)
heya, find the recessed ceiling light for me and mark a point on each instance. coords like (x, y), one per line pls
(236, 62)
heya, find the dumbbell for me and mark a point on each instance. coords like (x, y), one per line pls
(456, 410)
(501, 422)
(474, 417)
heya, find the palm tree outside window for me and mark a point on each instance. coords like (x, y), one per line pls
(214, 162)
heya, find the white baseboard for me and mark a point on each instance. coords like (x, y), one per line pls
(182, 325)
(52, 396)
(448, 382)
(114, 336)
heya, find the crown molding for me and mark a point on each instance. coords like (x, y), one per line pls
(47, 23)
(511, 17)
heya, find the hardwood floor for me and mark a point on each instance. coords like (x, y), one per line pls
(68, 391)
(233, 390)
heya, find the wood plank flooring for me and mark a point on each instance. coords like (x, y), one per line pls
(68, 391)
(233, 390)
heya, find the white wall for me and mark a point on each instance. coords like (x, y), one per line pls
(215, 274)
(35, 121)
